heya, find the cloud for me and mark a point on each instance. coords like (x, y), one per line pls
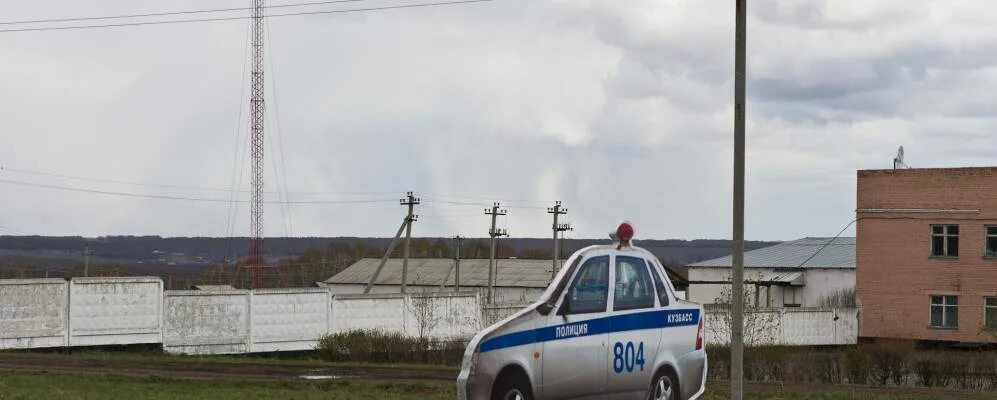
(623, 110)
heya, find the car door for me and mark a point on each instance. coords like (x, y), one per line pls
(574, 341)
(635, 328)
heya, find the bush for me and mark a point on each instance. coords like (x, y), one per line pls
(886, 363)
(382, 347)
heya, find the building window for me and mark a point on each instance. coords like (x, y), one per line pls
(945, 311)
(792, 296)
(990, 312)
(991, 241)
(945, 240)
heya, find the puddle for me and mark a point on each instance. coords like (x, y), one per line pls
(320, 377)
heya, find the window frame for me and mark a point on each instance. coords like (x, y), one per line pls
(561, 310)
(616, 277)
(796, 291)
(944, 306)
(945, 235)
(986, 241)
(658, 278)
(989, 308)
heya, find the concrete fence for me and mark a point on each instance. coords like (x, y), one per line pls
(206, 322)
(33, 313)
(786, 326)
(438, 315)
(110, 311)
(492, 313)
(37, 313)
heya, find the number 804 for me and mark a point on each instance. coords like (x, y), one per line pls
(626, 357)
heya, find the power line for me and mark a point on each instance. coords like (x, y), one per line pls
(168, 13)
(184, 198)
(163, 186)
(182, 21)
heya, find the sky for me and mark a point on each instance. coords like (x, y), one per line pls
(622, 110)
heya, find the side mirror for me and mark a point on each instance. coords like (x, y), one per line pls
(565, 305)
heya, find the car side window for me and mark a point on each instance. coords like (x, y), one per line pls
(633, 288)
(589, 289)
(659, 285)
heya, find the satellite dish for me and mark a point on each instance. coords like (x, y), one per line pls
(898, 162)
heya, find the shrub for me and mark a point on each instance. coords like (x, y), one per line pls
(383, 347)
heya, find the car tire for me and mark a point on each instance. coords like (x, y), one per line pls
(512, 387)
(664, 386)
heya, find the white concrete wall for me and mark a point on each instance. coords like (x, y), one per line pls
(33, 313)
(206, 322)
(818, 283)
(444, 316)
(787, 327)
(492, 313)
(289, 319)
(112, 311)
(438, 316)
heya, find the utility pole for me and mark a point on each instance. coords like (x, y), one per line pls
(556, 210)
(409, 201)
(456, 279)
(560, 240)
(494, 233)
(737, 277)
(86, 259)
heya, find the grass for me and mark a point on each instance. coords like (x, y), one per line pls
(302, 359)
(23, 385)
(20, 385)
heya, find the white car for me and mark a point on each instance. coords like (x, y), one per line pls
(608, 327)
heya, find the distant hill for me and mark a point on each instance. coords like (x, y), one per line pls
(190, 252)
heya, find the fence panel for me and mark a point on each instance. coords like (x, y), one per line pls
(113, 311)
(445, 316)
(206, 322)
(385, 312)
(786, 326)
(33, 313)
(492, 313)
(289, 319)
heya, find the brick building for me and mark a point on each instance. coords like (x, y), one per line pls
(926, 254)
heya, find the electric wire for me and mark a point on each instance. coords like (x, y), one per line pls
(185, 198)
(195, 20)
(168, 13)
(183, 187)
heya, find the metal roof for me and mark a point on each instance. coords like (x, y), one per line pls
(803, 253)
(439, 271)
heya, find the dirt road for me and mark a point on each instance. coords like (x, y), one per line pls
(209, 370)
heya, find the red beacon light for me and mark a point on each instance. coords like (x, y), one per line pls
(624, 233)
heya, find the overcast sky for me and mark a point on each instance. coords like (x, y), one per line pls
(621, 109)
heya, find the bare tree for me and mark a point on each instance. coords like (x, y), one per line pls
(760, 325)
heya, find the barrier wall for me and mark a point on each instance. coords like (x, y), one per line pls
(289, 319)
(786, 326)
(492, 313)
(206, 322)
(33, 313)
(437, 315)
(38, 313)
(112, 311)
(444, 315)
(384, 312)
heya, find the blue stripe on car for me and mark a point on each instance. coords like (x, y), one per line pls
(596, 326)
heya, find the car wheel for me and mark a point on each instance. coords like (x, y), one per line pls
(512, 387)
(664, 387)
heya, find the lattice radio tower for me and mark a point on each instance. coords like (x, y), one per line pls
(256, 115)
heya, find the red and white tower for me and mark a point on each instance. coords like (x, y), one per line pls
(257, 111)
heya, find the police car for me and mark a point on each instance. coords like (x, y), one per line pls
(608, 327)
